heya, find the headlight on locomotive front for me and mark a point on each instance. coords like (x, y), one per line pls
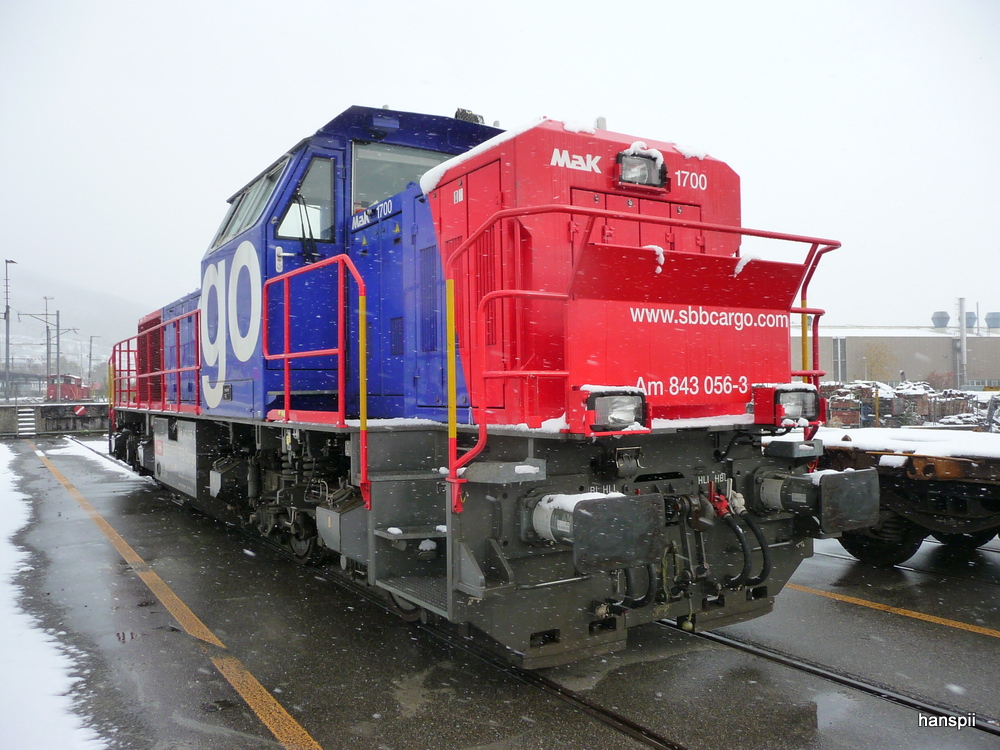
(783, 403)
(800, 404)
(619, 411)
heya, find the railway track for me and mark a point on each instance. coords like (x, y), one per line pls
(650, 737)
(985, 548)
(987, 580)
(609, 717)
(614, 719)
(447, 636)
(987, 725)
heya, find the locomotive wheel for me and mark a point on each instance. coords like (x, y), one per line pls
(405, 610)
(303, 542)
(119, 442)
(265, 522)
(969, 541)
(891, 541)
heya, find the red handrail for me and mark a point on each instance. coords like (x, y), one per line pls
(814, 374)
(127, 380)
(287, 414)
(818, 248)
(485, 374)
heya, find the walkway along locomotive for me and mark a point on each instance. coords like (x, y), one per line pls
(516, 380)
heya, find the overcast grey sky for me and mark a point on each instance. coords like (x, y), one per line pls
(125, 126)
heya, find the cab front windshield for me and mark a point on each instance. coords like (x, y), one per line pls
(381, 170)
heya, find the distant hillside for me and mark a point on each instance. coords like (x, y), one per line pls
(108, 318)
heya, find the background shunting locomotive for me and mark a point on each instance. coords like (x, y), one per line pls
(518, 380)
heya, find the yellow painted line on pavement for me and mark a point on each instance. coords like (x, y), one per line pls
(285, 729)
(897, 611)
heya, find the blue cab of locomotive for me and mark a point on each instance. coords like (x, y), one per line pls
(324, 197)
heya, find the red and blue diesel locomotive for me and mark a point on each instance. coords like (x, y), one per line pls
(521, 381)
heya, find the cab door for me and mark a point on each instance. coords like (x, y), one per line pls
(304, 230)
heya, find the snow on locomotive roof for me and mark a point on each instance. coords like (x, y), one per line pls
(929, 442)
(639, 148)
(578, 127)
(691, 153)
(433, 176)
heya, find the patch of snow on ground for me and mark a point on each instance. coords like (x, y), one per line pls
(93, 450)
(36, 709)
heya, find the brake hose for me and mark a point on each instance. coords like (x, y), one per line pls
(765, 551)
(738, 506)
(734, 582)
(653, 571)
(723, 511)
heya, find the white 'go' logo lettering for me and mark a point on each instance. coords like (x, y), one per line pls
(227, 324)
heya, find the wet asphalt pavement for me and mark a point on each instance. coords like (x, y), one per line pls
(353, 675)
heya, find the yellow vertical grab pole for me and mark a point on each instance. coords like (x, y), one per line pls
(453, 481)
(366, 488)
(805, 340)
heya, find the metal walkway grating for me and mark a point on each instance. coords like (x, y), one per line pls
(430, 592)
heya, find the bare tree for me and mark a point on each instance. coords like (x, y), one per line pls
(878, 361)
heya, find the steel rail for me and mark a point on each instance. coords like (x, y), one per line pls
(923, 571)
(983, 724)
(606, 716)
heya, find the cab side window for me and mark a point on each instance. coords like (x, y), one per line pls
(310, 214)
(246, 207)
(382, 169)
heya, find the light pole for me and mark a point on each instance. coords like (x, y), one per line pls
(48, 346)
(90, 363)
(59, 332)
(6, 321)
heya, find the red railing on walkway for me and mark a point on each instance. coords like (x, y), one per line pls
(337, 417)
(153, 385)
(818, 247)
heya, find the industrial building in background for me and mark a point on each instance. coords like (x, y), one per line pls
(942, 355)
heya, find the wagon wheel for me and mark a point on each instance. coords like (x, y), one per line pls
(968, 541)
(892, 540)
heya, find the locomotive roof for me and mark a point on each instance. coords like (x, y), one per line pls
(435, 132)
(420, 130)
